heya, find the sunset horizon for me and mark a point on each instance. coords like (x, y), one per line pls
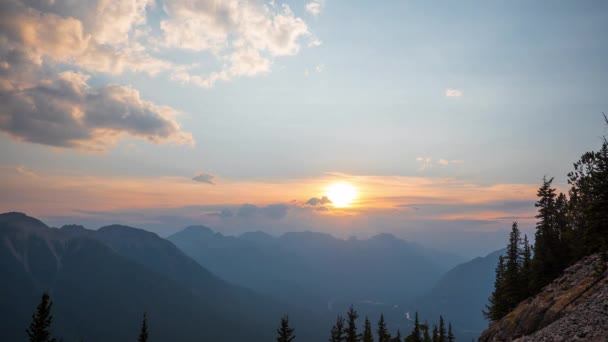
(304, 159)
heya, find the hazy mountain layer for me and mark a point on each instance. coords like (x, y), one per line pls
(102, 281)
(461, 295)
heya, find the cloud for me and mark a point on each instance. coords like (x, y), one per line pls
(454, 93)
(92, 35)
(273, 211)
(243, 35)
(24, 171)
(204, 178)
(318, 201)
(64, 111)
(314, 7)
(314, 42)
(223, 213)
(427, 163)
(47, 46)
(318, 68)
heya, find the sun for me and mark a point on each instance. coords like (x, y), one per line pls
(341, 194)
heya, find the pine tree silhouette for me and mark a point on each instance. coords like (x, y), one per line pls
(415, 336)
(351, 327)
(497, 306)
(512, 283)
(442, 333)
(426, 337)
(337, 331)
(545, 263)
(143, 334)
(526, 270)
(383, 334)
(367, 332)
(451, 337)
(285, 333)
(39, 329)
(397, 337)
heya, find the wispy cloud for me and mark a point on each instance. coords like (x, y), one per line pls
(24, 171)
(427, 163)
(318, 69)
(454, 93)
(314, 7)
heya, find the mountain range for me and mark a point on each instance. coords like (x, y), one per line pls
(101, 282)
(319, 272)
(200, 284)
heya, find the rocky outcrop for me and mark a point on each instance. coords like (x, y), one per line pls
(574, 307)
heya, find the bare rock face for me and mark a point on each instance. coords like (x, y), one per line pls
(574, 307)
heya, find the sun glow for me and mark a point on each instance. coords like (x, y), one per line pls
(341, 194)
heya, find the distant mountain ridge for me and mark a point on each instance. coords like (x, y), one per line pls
(461, 294)
(102, 281)
(232, 256)
(319, 272)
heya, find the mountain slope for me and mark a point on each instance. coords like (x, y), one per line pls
(101, 283)
(462, 293)
(574, 307)
(318, 272)
(314, 266)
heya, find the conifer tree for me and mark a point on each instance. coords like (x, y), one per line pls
(426, 337)
(511, 281)
(545, 264)
(589, 200)
(39, 329)
(397, 337)
(143, 334)
(442, 333)
(564, 232)
(367, 332)
(497, 306)
(337, 332)
(451, 337)
(435, 334)
(284, 332)
(415, 336)
(351, 325)
(526, 269)
(383, 334)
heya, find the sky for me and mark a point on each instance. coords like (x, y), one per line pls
(239, 114)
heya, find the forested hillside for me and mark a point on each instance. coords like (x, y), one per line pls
(570, 226)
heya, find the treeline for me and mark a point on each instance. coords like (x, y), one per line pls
(342, 331)
(39, 329)
(345, 330)
(569, 227)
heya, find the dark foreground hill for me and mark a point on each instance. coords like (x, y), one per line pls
(102, 281)
(574, 307)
